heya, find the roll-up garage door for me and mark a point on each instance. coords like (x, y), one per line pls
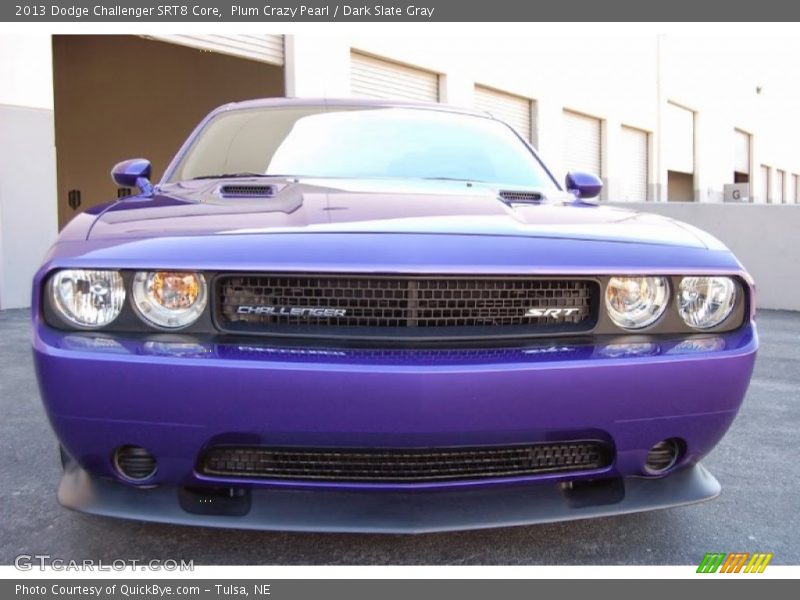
(766, 184)
(741, 159)
(780, 187)
(679, 132)
(634, 165)
(514, 110)
(266, 48)
(375, 78)
(581, 143)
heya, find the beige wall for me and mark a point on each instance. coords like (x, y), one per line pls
(119, 97)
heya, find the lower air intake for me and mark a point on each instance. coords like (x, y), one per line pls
(403, 465)
(134, 462)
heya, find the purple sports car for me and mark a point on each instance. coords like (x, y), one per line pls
(387, 317)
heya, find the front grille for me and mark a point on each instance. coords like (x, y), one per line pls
(418, 356)
(403, 465)
(435, 307)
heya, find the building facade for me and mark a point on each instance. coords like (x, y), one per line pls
(661, 119)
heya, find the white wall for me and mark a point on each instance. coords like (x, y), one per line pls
(28, 215)
(26, 70)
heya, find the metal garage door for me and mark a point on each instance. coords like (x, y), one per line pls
(514, 110)
(266, 48)
(780, 187)
(765, 183)
(741, 159)
(375, 78)
(634, 164)
(581, 143)
(679, 131)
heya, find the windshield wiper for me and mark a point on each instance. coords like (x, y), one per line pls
(240, 174)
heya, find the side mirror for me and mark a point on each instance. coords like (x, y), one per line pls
(584, 185)
(133, 172)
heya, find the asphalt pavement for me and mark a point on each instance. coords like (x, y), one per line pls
(757, 464)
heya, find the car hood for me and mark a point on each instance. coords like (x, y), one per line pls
(378, 206)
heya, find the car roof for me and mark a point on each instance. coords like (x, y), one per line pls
(351, 102)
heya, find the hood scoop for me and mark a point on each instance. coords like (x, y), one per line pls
(238, 190)
(520, 197)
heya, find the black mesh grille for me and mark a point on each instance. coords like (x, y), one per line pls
(521, 197)
(135, 462)
(247, 190)
(390, 355)
(403, 465)
(405, 306)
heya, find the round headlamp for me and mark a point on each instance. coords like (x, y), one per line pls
(87, 298)
(705, 302)
(636, 302)
(169, 299)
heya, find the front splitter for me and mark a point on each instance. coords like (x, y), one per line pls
(388, 512)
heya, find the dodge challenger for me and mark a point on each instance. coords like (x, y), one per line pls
(382, 316)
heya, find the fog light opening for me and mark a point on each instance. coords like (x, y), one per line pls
(134, 463)
(664, 455)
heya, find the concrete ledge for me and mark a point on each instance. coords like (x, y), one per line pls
(765, 238)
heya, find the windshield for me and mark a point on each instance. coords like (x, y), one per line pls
(362, 142)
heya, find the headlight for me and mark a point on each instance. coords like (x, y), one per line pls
(87, 298)
(636, 302)
(705, 302)
(169, 299)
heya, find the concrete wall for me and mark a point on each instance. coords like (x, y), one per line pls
(764, 239)
(28, 221)
(27, 199)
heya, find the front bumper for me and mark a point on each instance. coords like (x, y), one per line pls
(176, 397)
(392, 512)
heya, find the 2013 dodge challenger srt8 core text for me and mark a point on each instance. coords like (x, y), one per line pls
(379, 316)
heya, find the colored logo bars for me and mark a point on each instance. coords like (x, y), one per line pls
(734, 562)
